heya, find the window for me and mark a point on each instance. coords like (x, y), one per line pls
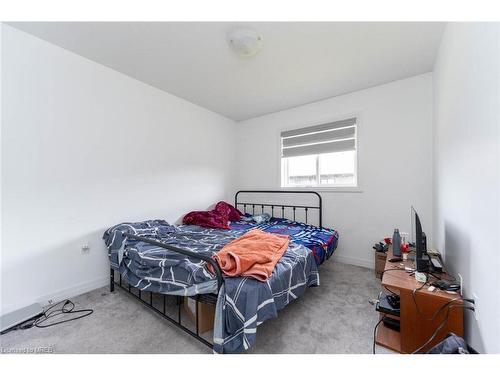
(321, 155)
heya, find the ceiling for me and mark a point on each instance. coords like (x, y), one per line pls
(301, 62)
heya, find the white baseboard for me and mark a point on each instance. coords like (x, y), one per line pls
(74, 290)
(353, 261)
(60, 295)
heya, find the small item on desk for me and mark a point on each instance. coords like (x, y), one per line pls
(381, 247)
(436, 265)
(446, 285)
(405, 246)
(431, 288)
(433, 252)
(420, 277)
(387, 240)
(396, 243)
(409, 269)
(394, 260)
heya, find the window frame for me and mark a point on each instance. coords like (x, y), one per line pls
(356, 188)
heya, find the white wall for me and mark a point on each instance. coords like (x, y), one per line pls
(467, 105)
(83, 148)
(394, 156)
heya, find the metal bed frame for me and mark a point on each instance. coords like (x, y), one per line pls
(306, 209)
(207, 298)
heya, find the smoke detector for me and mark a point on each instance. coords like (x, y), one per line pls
(245, 42)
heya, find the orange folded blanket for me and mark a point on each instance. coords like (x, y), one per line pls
(254, 254)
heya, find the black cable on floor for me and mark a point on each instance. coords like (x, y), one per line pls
(68, 308)
(375, 334)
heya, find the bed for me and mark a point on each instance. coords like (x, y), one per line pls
(155, 258)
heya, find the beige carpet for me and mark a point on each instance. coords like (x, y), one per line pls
(332, 318)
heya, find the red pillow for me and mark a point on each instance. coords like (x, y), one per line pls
(225, 208)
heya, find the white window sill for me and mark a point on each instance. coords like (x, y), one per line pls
(326, 189)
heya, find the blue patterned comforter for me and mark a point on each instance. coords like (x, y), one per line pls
(321, 241)
(243, 303)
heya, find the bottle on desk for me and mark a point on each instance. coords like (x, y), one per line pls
(396, 243)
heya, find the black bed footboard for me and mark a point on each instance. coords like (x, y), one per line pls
(280, 207)
(189, 253)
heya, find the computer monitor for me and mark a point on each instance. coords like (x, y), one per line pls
(421, 257)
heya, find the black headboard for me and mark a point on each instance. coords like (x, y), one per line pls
(280, 207)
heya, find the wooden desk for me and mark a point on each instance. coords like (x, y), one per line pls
(416, 327)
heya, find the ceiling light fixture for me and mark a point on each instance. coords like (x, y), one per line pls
(245, 42)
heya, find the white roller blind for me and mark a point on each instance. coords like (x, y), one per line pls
(319, 139)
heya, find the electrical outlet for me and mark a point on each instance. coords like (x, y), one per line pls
(460, 278)
(50, 301)
(476, 306)
(85, 248)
